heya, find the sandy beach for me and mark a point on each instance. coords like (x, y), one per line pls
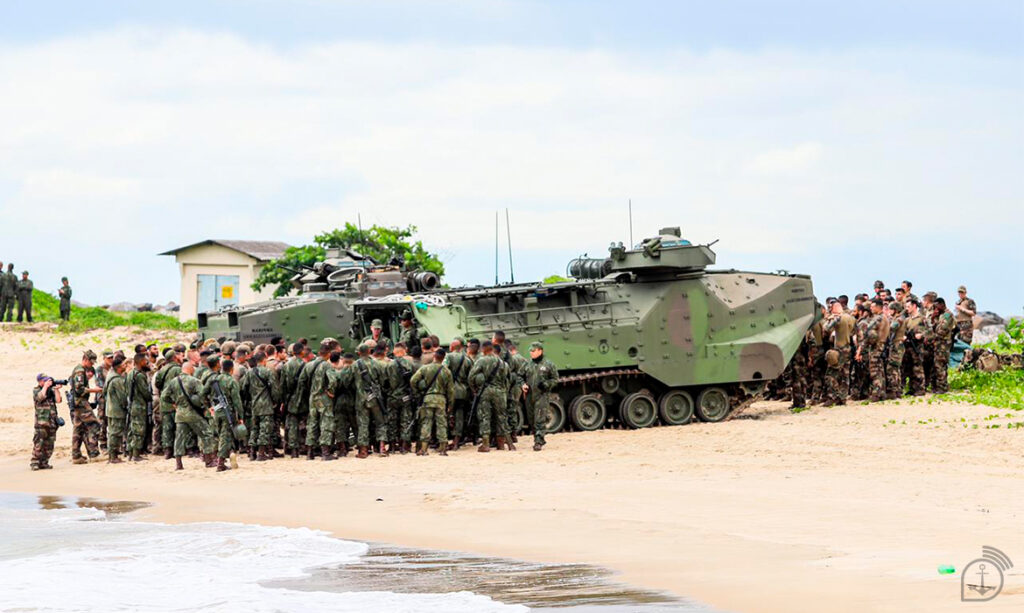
(842, 509)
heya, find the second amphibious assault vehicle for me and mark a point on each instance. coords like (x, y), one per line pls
(648, 334)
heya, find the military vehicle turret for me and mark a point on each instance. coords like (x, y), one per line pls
(324, 307)
(647, 334)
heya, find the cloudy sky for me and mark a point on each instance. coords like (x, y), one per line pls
(881, 140)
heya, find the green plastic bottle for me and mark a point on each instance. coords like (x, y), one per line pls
(946, 569)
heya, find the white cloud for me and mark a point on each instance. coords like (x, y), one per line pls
(190, 134)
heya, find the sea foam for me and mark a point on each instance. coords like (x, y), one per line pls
(65, 560)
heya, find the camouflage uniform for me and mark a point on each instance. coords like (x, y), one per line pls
(221, 424)
(876, 332)
(515, 416)
(965, 323)
(45, 427)
(115, 397)
(295, 408)
(433, 383)
(24, 293)
(799, 377)
(410, 336)
(400, 399)
(64, 293)
(85, 426)
(490, 378)
(141, 395)
(162, 382)
(186, 394)
(894, 365)
(320, 426)
(541, 377)
(369, 372)
(344, 405)
(8, 294)
(460, 365)
(258, 386)
(102, 372)
(943, 329)
(913, 366)
(837, 374)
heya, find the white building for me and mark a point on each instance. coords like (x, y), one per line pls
(219, 273)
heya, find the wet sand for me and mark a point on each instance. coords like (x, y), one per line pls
(844, 509)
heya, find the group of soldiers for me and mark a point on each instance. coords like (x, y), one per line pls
(878, 348)
(18, 292)
(214, 398)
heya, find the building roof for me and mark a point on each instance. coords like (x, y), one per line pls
(263, 251)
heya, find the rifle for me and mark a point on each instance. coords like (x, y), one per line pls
(238, 431)
(410, 397)
(375, 392)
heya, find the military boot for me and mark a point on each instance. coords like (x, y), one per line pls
(209, 459)
(137, 457)
(363, 453)
(79, 460)
(326, 454)
(252, 452)
(177, 463)
(113, 458)
(514, 438)
(261, 455)
(510, 445)
(382, 450)
(499, 443)
(309, 453)
(222, 465)
(484, 447)
(295, 453)
(168, 454)
(274, 453)
(537, 446)
(342, 450)
(442, 450)
(421, 449)
(454, 444)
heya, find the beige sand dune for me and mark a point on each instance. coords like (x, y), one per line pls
(844, 509)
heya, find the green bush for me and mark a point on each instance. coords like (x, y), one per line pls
(1002, 389)
(46, 307)
(1010, 341)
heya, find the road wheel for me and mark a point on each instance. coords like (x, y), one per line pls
(588, 412)
(676, 408)
(712, 404)
(555, 418)
(638, 410)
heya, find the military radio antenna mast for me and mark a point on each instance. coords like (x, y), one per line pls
(630, 223)
(508, 234)
(495, 247)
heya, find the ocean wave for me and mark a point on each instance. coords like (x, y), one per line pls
(59, 562)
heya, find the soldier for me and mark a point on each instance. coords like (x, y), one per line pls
(459, 364)
(186, 395)
(115, 400)
(541, 379)
(377, 335)
(344, 404)
(800, 373)
(913, 367)
(45, 396)
(369, 378)
(433, 384)
(943, 328)
(320, 425)
(221, 382)
(295, 406)
(85, 426)
(64, 293)
(258, 386)
(876, 337)
(837, 376)
(8, 293)
(410, 333)
(170, 371)
(400, 400)
(927, 325)
(472, 348)
(966, 309)
(103, 372)
(489, 378)
(139, 394)
(302, 390)
(897, 346)
(517, 366)
(25, 297)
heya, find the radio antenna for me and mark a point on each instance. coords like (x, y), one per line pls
(630, 223)
(508, 234)
(495, 247)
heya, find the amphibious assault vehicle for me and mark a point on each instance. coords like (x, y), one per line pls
(648, 334)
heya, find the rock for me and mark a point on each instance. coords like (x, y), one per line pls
(124, 307)
(987, 334)
(987, 318)
(145, 307)
(79, 305)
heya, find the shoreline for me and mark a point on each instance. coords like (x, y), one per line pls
(725, 515)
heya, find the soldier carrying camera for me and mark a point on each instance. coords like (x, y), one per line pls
(85, 426)
(46, 395)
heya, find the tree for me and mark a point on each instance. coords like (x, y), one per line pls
(378, 242)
